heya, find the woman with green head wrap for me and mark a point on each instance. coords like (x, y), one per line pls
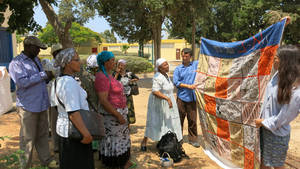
(115, 146)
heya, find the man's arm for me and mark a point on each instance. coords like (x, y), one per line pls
(22, 79)
(178, 83)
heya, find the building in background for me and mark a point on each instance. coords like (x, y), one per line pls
(170, 48)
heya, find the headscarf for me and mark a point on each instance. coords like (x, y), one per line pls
(91, 61)
(159, 62)
(64, 57)
(102, 57)
(122, 61)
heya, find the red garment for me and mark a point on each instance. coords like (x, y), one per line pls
(114, 88)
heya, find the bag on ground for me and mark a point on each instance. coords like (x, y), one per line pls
(169, 144)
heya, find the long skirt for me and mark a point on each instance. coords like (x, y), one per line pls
(131, 112)
(115, 146)
(73, 154)
(273, 148)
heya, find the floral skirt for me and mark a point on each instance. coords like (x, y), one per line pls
(115, 146)
(131, 112)
(273, 148)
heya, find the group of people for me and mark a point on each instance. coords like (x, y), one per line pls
(70, 90)
(104, 87)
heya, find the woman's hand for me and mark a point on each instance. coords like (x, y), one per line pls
(169, 102)
(121, 119)
(258, 122)
(87, 139)
(134, 80)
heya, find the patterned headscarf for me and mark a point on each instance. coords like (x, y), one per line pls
(102, 57)
(122, 61)
(64, 57)
(91, 61)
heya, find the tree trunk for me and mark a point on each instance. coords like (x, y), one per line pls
(61, 31)
(157, 40)
(141, 49)
(194, 37)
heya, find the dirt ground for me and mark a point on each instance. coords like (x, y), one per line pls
(9, 126)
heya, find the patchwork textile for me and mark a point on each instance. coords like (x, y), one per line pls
(232, 79)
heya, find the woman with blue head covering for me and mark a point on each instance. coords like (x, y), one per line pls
(115, 146)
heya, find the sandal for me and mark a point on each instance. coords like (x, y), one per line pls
(133, 165)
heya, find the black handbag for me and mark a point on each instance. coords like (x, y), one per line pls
(92, 121)
(134, 88)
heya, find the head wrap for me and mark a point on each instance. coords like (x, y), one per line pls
(122, 61)
(102, 57)
(64, 57)
(91, 61)
(55, 48)
(159, 62)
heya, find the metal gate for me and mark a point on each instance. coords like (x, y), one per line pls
(6, 50)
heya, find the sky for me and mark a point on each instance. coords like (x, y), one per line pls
(98, 24)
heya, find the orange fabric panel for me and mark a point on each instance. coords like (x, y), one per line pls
(221, 87)
(223, 129)
(249, 159)
(265, 62)
(210, 104)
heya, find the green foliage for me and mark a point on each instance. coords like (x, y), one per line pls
(79, 11)
(12, 160)
(180, 21)
(136, 64)
(124, 48)
(231, 20)
(21, 18)
(129, 24)
(80, 35)
(109, 36)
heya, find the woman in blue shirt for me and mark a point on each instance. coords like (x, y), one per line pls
(281, 106)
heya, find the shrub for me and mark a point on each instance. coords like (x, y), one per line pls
(137, 64)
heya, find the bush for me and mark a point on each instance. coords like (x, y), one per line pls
(137, 64)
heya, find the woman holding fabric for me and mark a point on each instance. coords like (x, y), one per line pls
(281, 106)
(115, 146)
(126, 78)
(162, 114)
(70, 98)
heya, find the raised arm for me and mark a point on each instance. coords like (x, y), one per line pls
(22, 79)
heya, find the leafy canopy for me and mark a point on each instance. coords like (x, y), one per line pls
(80, 35)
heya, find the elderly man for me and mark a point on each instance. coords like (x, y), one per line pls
(32, 101)
(183, 78)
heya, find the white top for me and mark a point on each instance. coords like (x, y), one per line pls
(277, 117)
(73, 97)
(161, 118)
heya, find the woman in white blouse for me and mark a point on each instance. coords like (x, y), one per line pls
(281, 106)
(162, 114)
(75, 154)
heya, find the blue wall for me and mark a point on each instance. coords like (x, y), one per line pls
(6, 50)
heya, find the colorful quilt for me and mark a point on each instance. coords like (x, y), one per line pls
(232, 78)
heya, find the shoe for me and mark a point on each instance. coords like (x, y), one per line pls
(133, 165)
(53, 164)
(143, 148)
(195, 144)
(183, 155)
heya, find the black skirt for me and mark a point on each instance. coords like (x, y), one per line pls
(75, 155)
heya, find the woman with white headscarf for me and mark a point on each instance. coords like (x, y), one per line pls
(162, 114)
(126, 78)
(70, 98)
